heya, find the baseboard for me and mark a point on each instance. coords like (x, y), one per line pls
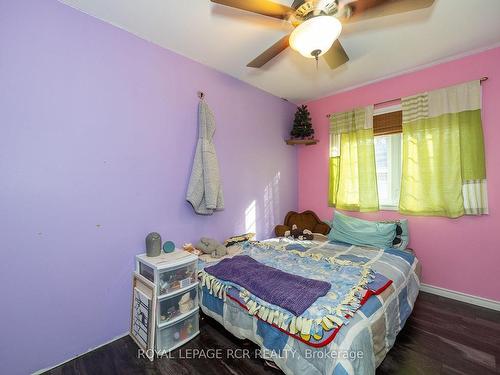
(79, 355)
(463, 297)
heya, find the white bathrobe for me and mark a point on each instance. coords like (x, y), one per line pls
(205, 189)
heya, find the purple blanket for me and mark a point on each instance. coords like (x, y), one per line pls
(291, 292)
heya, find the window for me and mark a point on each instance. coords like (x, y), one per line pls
(436, 167)
(387, 127)
(352, 154)
(388, 150)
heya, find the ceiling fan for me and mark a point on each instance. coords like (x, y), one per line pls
(318, 23)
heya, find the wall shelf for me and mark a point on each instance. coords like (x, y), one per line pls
(306, 142)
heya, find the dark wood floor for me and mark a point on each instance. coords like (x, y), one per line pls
(442, 336)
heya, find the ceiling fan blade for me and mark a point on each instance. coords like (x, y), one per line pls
(297, 3)
(270, 53)
(265, 7)
(336, 55)
(366, 9)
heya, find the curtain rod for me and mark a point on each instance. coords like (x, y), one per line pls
(481, 80)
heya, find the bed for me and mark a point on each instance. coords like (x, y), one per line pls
(347, 331)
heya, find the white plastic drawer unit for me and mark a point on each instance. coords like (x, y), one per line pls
(174, 276)
(169, 272)
(173, 279)
(177, 305)
(177, 333)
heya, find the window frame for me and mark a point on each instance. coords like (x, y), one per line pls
(382, 111)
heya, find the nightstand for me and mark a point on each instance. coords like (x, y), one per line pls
(175, 278)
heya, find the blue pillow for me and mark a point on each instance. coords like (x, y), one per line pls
(402, 236)
(362, 232)
(405, 236)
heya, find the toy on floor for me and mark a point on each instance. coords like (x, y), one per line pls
(212, 247)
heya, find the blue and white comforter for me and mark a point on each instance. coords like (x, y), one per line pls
(361, 344)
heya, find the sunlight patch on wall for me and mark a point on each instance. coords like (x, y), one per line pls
(251, 218)
(271, 205)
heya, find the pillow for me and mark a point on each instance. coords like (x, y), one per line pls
(237, 239)
(402, 237)
(362, 232)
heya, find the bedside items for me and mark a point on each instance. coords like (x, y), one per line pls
(174, 276)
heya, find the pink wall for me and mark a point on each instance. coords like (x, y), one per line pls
(458, 254)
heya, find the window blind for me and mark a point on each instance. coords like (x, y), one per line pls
(388, 123)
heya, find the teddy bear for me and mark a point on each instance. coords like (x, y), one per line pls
(212, 247)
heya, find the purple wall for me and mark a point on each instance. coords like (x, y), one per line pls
(97, 136)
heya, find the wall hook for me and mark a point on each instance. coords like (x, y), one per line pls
(201, 95)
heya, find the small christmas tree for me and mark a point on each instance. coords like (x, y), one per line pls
(302, 125)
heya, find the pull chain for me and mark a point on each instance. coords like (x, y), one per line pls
(316, 53)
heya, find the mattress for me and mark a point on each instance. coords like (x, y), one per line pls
(356, 347)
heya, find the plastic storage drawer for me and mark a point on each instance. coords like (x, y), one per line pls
(173, 279)
(177, 333)
(177, 304)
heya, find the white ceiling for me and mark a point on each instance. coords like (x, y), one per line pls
(227, 39)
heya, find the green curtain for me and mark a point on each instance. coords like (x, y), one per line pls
(443, 153)
(353, 177)
(334, 180)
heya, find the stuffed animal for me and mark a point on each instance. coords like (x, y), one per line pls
(191, 249)
(212, 247)
(299, 234)
(305, 220)
(186, 303)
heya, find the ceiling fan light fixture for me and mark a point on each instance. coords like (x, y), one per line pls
(315, 36)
